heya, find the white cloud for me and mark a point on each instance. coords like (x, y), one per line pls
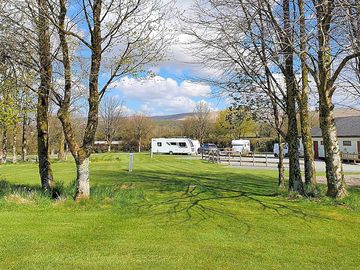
(160, 95)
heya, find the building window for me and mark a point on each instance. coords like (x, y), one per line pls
(346, 143)
(159, 144)
(321, 143)
(182, 145)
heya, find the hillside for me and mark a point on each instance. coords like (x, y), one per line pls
(180, 116)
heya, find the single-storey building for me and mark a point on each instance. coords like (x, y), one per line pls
(348, 132)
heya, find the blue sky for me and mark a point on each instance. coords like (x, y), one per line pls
(172, 90)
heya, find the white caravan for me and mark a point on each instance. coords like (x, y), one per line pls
(172, 146)
(242, 146)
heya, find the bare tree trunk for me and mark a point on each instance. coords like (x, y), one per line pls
(325, 84)
(82, 178)
(281, 169)
(61, 150)
(334, 171)
(43, 97)
(25, 126)
(295, 181)
(14, 155)
(109, 142)
(4, 145)
(81, 153)
(303, 100)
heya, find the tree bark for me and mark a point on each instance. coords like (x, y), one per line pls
(61, 150)
(139, 145)
(45, 170)
(4, 146)
(295, 181)
(14, 155)
(81, 153)
(24, 142)
(82, 178)
(281, 169)
(303, 100)
(336, 186)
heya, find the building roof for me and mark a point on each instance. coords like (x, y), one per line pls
(346, 127)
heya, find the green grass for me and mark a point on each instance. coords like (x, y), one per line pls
(171, 213)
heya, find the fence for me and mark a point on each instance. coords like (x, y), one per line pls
(227, 155)
(231, 157)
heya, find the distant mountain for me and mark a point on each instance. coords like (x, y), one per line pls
(180, 116)
(172, 117)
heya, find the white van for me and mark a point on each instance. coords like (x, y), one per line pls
(286, 149)
(242, 146)
(172, 146)
(197, 145)
(276, 149)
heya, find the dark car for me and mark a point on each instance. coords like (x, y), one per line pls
(206, 147)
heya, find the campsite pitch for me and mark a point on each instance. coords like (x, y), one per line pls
(171, 213)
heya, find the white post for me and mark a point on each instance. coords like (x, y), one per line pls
(131, 163)
(253, 158)
(151, 153)
(240, 158)
(266, 159)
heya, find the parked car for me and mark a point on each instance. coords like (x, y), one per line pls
(206, 147)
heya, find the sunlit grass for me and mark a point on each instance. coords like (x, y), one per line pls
(171, 213)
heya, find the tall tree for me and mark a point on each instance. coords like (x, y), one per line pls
(134, 31)
(202, 120)
(303, 101)
(325, 74)
(44, 91)
(111, 113)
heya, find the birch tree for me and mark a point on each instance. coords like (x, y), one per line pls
(253, 39)
(331, 54)
(122, 38)
(28, 38)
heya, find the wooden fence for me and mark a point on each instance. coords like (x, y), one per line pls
(227, 155)
(237, 158)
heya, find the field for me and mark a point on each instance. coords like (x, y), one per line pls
(172, 212)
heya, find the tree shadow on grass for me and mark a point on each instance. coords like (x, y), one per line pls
(201, 196)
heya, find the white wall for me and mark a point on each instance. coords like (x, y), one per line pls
(345, 149)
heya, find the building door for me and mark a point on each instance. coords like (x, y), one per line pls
(316, 149)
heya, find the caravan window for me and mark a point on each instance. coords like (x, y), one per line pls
(182, 144)
(173, 143)
(159, 144)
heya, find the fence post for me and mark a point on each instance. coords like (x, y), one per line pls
(229, 158)
(131, 163)
(218, 156)
(266, 159)
(253, 156)
(240, 158)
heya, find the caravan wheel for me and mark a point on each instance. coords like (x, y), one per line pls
(170, 153)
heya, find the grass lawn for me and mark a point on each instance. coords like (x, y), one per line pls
(172, 213)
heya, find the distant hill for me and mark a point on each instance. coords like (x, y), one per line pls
(180, 116)
(314, 116)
